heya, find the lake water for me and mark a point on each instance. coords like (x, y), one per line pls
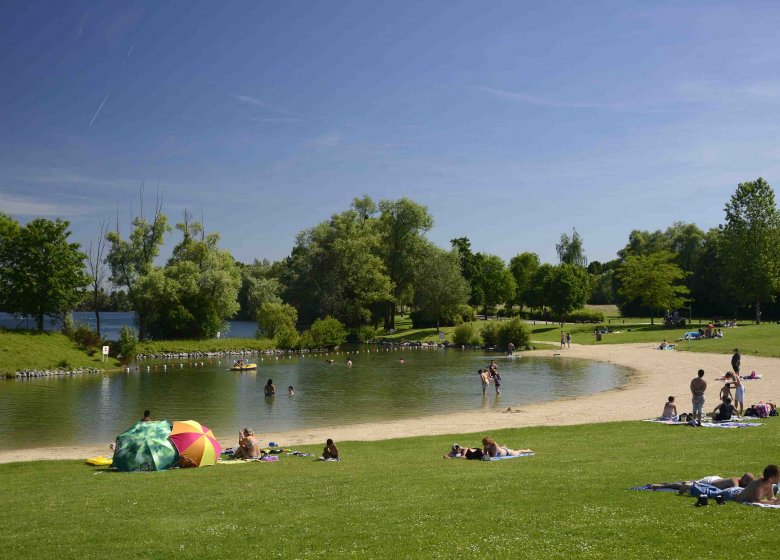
(111, 322)
(94, 409)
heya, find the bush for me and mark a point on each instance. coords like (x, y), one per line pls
(366, 333)
(466, 334)
(287, 337)
(490, 333)
(305, 340)
(275, 317)
(585, 316)
(467, 313)
(64, 364)
(514, 331)
(328, 332)
(127, 344)
(68, 325)
(85, 338)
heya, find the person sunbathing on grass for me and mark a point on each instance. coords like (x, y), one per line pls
(762, 490)
(670, 410)
(459, 452)
(492, 449)
(248, 446)
(721, 483)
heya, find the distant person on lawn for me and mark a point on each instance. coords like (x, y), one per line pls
(330, 451)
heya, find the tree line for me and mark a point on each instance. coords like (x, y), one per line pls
(362, 266)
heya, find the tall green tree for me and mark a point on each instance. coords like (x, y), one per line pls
(9, 229)
(259, 285)
(570, 250)
(335, 269)
(566, 288)
(130, 259)
(200, 287)
(750, 244)
(653, 280)
(43, 273)
(523, 268)
(494, 281)
(469, 268)
(402, 226)
(440, 287)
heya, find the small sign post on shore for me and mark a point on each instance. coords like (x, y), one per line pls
(105, 352)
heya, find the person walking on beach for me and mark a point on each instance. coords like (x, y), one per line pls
(568, 340)
(510, 349)
(563, 341)
(484, 376)
(736, 359)
(698, 387)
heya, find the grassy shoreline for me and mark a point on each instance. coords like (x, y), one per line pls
(571, 498)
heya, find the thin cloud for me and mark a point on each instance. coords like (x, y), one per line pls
(99, 109)
(257, 102)
(25, 206)
(326, 141)
(552, 103)
(278, 120)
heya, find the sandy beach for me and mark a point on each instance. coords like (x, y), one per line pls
(657, 374)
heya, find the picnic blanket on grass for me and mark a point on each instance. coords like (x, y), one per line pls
(728, 424)
(649, 487)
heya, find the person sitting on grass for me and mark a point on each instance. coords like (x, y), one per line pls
(762, 490)
(720, 483)
(724, 411)
(670, 410)
(248, 446)
(492, 449)
(330, 451)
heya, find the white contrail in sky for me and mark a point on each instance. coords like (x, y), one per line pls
(99, 109)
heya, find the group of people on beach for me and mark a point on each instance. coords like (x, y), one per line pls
(249, 447)
(565, 340)
(490, 373)
(490, 449)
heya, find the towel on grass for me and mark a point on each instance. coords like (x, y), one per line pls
(332, 460)
(649, 487)
(760, 504)
(531, 454)
(728, 424)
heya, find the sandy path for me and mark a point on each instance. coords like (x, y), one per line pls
(658, 374)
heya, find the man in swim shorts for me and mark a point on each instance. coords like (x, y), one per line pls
(714, 481)
(736, 360)
(484, 376)
(698, 387)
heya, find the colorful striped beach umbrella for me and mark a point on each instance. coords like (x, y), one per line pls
(196, 444)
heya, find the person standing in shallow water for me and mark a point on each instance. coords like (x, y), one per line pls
(270, 389)
(484, 376)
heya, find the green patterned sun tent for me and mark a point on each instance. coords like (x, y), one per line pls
(145, 447)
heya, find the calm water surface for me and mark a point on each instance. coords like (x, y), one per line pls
(94, 409)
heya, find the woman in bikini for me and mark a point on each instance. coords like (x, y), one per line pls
(491, 448)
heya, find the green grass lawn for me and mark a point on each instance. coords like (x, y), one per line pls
(34, 350)
(210, 345)
(400, 499)
(763, 340)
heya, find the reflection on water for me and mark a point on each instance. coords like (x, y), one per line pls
(93, 409)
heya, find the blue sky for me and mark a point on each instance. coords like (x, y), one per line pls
(512, 121)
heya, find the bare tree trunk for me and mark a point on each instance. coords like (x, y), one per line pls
(758, 311)
(97, 270)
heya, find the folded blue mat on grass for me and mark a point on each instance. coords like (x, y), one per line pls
(531, 454)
